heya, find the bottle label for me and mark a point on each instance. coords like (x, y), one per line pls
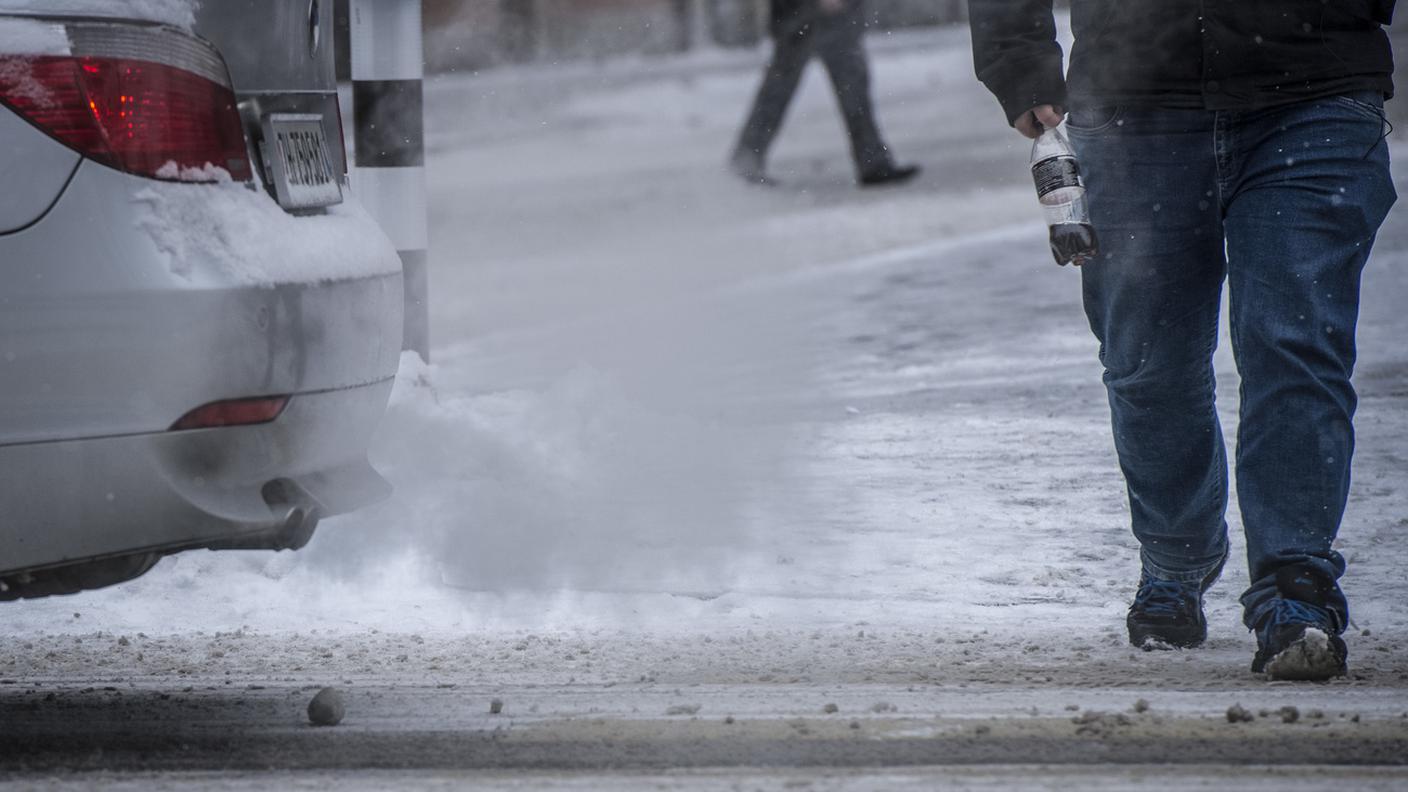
(1066, 212)
(1055, 173)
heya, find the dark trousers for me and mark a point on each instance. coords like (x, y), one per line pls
(836, 39)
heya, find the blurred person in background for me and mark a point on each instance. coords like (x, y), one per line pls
(1239, 142)
(832, 30)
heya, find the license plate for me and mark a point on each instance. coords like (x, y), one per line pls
(300, 166)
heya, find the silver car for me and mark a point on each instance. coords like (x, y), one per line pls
(199, 327)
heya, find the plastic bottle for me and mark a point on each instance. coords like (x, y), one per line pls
(1061, 190)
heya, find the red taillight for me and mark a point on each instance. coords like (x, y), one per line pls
(235, 412)
(148, 117)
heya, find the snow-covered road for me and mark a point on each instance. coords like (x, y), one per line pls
(691, 443)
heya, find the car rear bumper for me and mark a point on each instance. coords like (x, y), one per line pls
(250, 486)
(133, 302)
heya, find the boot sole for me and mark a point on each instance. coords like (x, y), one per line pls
(1150, 638)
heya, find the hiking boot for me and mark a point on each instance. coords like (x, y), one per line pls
(1167, 614)
(889, 174)
(1297, 637)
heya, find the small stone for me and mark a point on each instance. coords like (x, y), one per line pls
(1315, 714)
(1239, 714)
(982, 730)
(683, 709)
(1365, 632)
(1289, 714)
(882, 706)
(1142, 705)
(1354, 719)
(326, 708)
(855, 724)
(123, 641)
(496, 706)
(831, 709)
(728, 719)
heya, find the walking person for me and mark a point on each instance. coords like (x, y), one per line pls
(832, 30)
(1221, 142)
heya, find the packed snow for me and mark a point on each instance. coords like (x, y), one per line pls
(31, 37)
(244, 235)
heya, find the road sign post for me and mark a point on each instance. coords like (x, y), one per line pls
(386, 66)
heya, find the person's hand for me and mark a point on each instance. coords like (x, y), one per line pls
(832, 6)
(1041, 117)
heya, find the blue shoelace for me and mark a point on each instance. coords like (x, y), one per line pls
(1165, 597)
(1288, 611)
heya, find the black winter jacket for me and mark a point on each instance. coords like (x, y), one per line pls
(1211, 54)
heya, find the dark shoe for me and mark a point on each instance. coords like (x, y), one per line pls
(1167, 614)
(1297, 637)
(889, 174)
(748, 165)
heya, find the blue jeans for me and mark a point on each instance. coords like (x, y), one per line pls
(1283, 204)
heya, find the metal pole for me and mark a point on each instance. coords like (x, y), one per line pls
(388, 126)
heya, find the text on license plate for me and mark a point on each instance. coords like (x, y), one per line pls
(296, 154)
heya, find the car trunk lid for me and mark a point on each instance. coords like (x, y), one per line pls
(280, 58)
(272, 47)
